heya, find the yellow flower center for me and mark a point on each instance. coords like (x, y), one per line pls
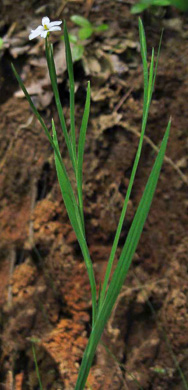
(45, 27)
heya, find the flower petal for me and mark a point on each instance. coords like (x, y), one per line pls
(40, 28)
(55, 28)
(35, 33)
(45, 21)
(52, 24)
(44, 33)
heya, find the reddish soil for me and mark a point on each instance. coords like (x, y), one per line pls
(44, 291)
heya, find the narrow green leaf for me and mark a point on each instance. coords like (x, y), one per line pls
(53, 78)
(71, 81)
(53, 143)
(136, 161)
(81, 144)
(143, 48)
(68, 195)
(36, 366)
(72, 115)
(75, 219)
(66, 190)
(80, 21)
(150, 81)
(141, 213)
(123, 265)
(157, 61)
(35, 111)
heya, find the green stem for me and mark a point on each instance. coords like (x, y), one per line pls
(53, 78)
(36, 367)
(72, 87)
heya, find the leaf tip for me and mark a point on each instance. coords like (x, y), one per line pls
(12, 66)
(140, 22)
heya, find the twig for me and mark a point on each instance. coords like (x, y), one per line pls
(156, 149)
(123, 99)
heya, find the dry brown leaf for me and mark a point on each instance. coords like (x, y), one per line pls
(119, 45)
(100, 94)
(106, 122)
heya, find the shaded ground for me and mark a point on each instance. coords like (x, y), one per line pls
(44, 291)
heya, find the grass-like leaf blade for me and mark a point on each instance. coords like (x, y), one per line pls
(35, 111)
(143, 48)
(72, 87)
(75, 219)
(36, 366)
(151, 77)
(123, 264)
(67, 191)
(157, 60)
(53, 78)
(148, 89)
(81, 144)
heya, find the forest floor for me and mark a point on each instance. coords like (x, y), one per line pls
(44, 290)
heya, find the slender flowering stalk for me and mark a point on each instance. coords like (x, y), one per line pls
(46, 27)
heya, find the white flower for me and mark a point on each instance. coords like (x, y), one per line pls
(45, 28)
